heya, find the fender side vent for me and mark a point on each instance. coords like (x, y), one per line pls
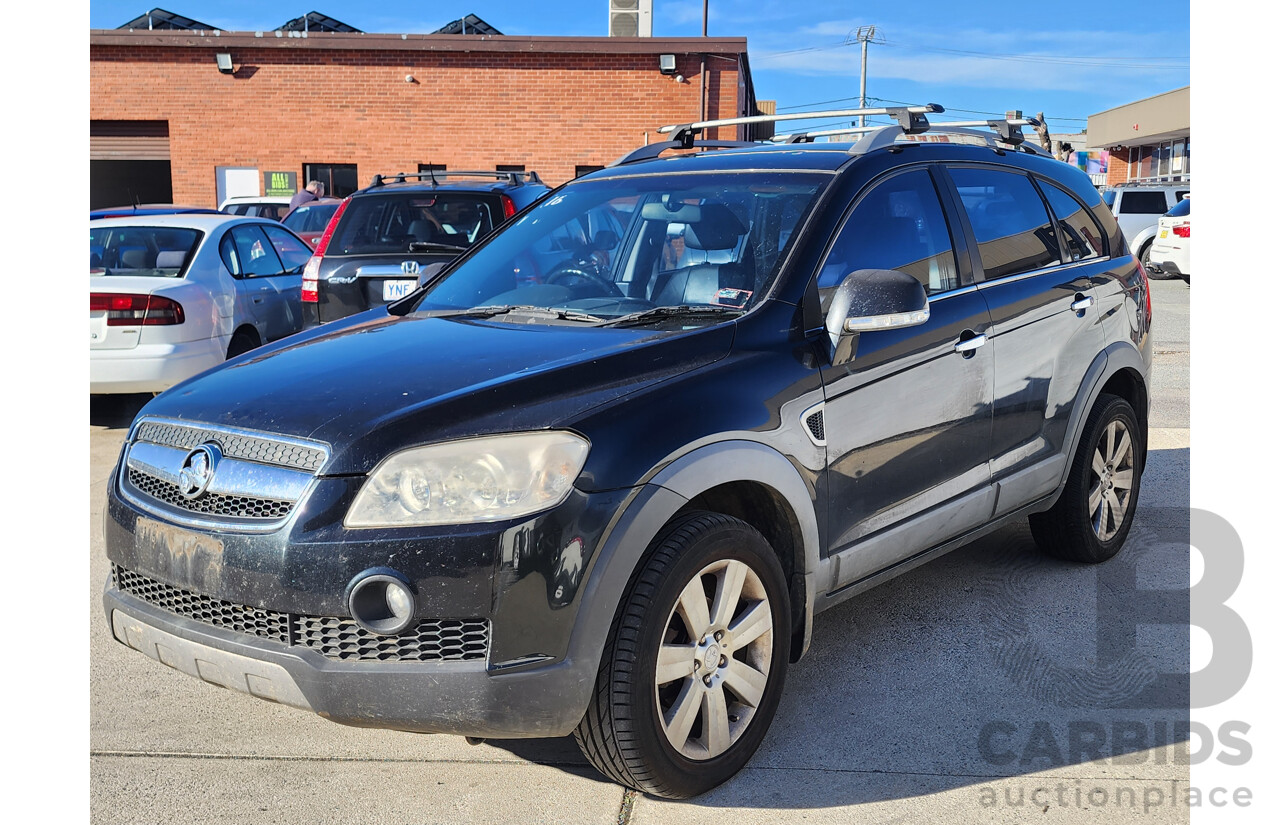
(817, 427)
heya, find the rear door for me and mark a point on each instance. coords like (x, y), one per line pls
(1036, 276)
(267, 290)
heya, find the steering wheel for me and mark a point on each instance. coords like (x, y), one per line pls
(585, 271)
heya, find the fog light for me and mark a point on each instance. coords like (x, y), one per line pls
(381, 603)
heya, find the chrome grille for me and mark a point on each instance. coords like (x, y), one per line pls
(265, 623)
(338, 638)
(246, 507)
(428, 641)
(233, 445)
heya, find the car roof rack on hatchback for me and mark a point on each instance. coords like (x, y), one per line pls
(912, 121)
(438, 175)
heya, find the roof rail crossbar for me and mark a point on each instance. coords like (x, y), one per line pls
(434, 175)
(1008, 132)
(911, 117)
(652, 150)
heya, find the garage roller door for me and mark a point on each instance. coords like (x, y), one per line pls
(128, 140)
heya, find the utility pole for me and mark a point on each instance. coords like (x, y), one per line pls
(702, 75)
(865, 35)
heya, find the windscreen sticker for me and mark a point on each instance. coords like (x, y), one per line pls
(730, 297)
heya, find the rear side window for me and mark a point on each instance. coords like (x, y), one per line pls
(1081, 232)
(898, 225)
(1009, 221)
(415, 222)
(1181, 209)
(1143, 203)
(252, 254)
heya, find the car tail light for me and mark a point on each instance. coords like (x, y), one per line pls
(508, 207)
(1146, 289)
(137, 310)
(311, 272)
(1183, 231)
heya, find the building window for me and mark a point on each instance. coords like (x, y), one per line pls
(510, 167)
(339, 179)
(579, 171)
(424, 168)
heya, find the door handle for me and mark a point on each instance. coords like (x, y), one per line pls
(1082, 302)
(257, 299)
(969, 345)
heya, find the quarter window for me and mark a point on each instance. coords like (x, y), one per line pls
(898, 225)
(1082, 234)
(1009, 221)
(1143, 203)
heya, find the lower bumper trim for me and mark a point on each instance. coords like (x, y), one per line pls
(217, 667)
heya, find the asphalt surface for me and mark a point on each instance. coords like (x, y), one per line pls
(991, 685)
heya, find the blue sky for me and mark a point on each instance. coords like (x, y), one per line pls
(1067, 60)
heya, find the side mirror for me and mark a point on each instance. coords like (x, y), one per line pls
(430, 271)
(872, 299)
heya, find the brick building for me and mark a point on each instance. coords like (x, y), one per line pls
(1147, 140)
(174, 113)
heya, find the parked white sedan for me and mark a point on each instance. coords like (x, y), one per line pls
(1171, 249)
(173, 295)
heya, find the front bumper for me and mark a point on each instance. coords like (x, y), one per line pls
(437, 697)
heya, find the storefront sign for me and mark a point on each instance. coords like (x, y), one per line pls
(276, 184)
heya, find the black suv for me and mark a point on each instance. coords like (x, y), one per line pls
(384, 239)
(599, 474)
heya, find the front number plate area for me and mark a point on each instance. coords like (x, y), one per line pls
(182, 557)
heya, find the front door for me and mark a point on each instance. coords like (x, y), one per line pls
(908, 410)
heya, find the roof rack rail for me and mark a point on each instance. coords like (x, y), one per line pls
(1007, 131)
(911, 119)
(434, 175)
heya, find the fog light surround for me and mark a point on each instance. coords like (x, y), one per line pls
(382, 602)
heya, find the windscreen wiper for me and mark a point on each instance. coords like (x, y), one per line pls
(432, 246)
(681, 311)
(522, 309)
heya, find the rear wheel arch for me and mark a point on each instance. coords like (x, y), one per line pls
(245, 338)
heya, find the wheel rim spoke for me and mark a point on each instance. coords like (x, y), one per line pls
(715, 719)
(1095, 501)
(747, 682)
(728, 592)
(1111, 439)
(1122, 450)
(674, 662)
(1099, 463)
(684, 710)
(693, 608)
(751, 625)
(1123, 479)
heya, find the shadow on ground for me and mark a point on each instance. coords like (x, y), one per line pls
(115, 412)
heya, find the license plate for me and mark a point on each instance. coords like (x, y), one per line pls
(395, 290)
(1164, 233)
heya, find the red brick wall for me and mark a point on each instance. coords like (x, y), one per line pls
(469, 110)
(1118, 167)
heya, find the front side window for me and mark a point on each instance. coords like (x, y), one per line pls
(898, 225)
(618, 246)
(1082, 234)
(141, 250)
(1009, 221)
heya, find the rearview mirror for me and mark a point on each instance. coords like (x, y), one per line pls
(872, 299)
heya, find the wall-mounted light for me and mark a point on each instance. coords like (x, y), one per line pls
(224, 62)
(667, 63)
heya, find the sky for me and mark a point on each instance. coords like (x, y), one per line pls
(976, 59)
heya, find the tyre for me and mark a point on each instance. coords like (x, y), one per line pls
(241, 343)
(696, 658)
(1092, 517)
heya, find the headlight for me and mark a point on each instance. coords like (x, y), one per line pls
(479, 479)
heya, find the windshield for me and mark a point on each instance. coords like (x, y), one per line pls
(621, 246)
(1109, 197)
(414, 222)
(141, 250)
(310, 218)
